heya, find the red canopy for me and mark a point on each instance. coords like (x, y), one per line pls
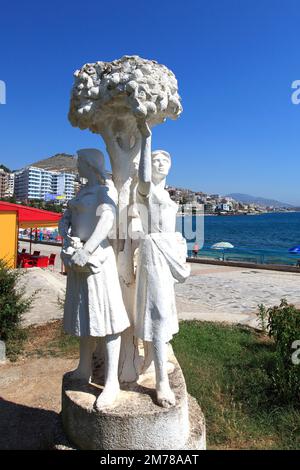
(29, 217)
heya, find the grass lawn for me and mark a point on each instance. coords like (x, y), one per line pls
(227, 369)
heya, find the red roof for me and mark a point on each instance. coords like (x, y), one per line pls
(31, 217)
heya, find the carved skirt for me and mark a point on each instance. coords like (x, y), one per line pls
(94, 304)
(161, 262)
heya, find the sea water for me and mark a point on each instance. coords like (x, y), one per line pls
(264, 238)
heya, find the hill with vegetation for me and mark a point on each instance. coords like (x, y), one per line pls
(62, 162)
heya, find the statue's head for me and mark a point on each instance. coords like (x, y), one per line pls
(91, 161)
(161, 164)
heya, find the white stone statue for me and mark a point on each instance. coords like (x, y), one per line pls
(93, 306)
(161, 262)
(121, 100)
(107, 97)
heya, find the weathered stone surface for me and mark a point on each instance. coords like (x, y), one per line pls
(135, 421)
(130, 86)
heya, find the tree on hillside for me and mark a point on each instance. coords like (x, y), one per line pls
(37, 204)
(11, 199)
(46, 205)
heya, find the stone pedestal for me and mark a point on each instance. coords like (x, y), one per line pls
(135, 422)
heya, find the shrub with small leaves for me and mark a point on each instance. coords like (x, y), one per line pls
(284, 328)
(262, 316)
(13, 304)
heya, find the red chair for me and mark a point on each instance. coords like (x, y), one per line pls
(21, 257)
(36, 253)
(27, 263)
(52, 260)
(42, 262)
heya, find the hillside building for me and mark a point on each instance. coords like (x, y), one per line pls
(36, 183)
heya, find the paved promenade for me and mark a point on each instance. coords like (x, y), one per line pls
(230, 294)
(212, 293)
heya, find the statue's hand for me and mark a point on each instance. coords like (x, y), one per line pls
(75, 242)
(80, 257)
(143, 127)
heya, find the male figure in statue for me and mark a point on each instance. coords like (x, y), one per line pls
(161, 262)
(93, 305)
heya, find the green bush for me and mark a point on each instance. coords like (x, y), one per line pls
(284, 328)
(13, 304)
(262, 316)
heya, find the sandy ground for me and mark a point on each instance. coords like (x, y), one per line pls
(212, 293)
(30, 402)
(48, 287)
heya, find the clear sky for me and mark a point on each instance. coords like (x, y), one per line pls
(235, 61)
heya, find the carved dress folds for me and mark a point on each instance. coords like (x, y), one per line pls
(161, 263)
(94, 304)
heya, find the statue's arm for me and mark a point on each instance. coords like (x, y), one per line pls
(102, 229)
(64, 223)
(145, 165)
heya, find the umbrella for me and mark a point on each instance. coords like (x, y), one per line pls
(295, 249)
(222, 246)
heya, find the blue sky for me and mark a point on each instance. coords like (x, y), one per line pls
(235, 61)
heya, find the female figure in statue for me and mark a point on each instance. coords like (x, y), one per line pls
(161, 262)
(93, 305)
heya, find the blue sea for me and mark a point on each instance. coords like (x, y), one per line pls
(263, 238)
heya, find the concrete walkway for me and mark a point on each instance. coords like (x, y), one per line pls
(49, 287)
(212, 293)
(230, 294)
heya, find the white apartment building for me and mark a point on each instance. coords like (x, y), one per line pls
(7, 181)
(225, 207)
(35, 183)
(11, 185)
(63, 183)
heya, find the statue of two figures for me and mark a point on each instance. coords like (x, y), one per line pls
(121, 250)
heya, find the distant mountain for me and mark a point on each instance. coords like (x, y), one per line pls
(60, 162)
(261, 201)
